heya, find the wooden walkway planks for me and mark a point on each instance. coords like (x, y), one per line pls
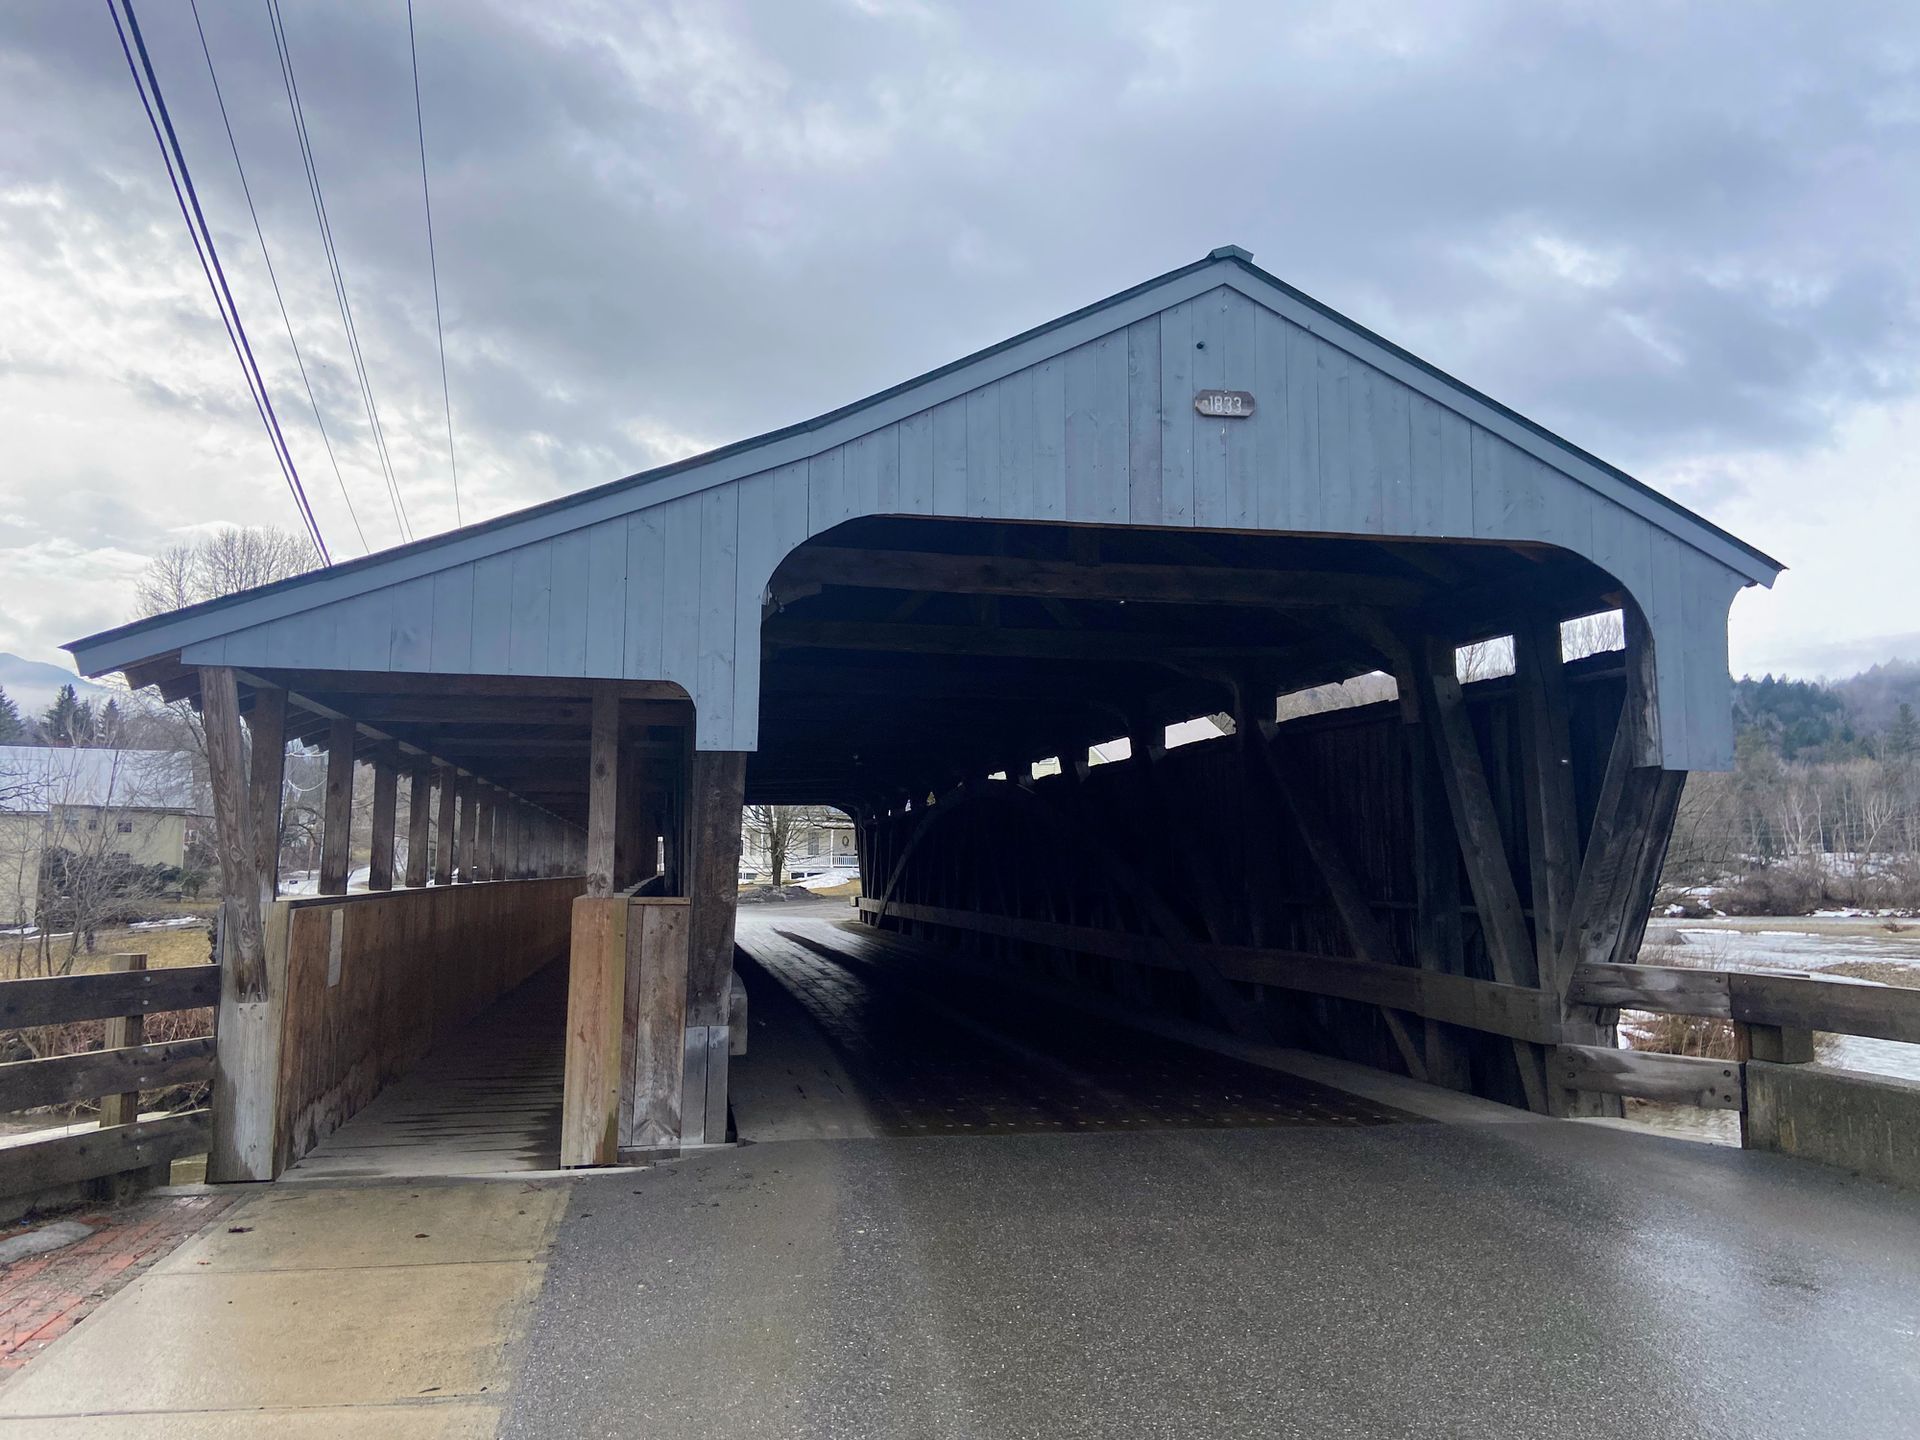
(485, 1101)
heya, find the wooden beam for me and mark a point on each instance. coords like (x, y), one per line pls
(469, 844)
(1714, 1084)
(419, 825)
(1364, 932)
(1477, 827)
(233, 833)
(1005, 641)
(1553, 838)
(1515, 1011)
(386, 798)
(603, 793)
(715, 785)
(812, 566)
(63, 999)
(447, 785)
(336, 833)
(267, 727)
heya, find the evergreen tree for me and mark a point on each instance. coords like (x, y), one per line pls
(13, 730)
(69, 719)
(1903, 733)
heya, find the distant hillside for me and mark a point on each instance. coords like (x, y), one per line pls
(1826, 719)
(1874, 696)
(32, 684)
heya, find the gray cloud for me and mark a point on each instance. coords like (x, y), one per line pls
(1680, 242)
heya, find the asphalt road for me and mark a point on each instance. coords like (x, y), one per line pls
(1268, 1278)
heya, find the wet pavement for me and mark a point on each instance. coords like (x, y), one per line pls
(1064, 1276)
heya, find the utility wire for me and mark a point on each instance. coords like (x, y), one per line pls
(433, 264)
(181, 179)
(333, 264)
(267, 256)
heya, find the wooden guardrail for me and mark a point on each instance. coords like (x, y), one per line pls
(115, 1075)
(1776, 1012)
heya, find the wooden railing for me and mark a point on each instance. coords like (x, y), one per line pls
(114, 1075)
(1774, 1017)
(1775, 1014)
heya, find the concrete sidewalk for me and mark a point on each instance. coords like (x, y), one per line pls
(374, 1311)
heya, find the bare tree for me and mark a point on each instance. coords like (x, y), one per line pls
(218, 563)
(772, 832)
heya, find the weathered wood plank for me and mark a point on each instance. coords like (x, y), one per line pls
(419, 826)
(266, 777)
(1669, 990)
(655, 1028)
(114, 1073)
(386, 804)
(596, 991)
(123, 1032)
(336, 833)
(1517, 1011)
(58, 999)
(89, 1154)
(603, 792)
(1714, 1084)
(233, 831)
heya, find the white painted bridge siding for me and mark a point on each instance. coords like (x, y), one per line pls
(1091, 421)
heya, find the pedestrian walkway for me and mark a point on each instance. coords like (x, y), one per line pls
(44, 1296)
(485, 1101)
(384, 1312)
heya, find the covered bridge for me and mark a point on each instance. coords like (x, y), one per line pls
(1188, 499)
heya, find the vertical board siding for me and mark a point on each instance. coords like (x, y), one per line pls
(492, 614)
(773, 520)
(606, 583)
(1144, 506)
(531, 607)
(983, 451)
(1102, 433)
(949, 458)
(719, 581)
(411, 644)
(645, 628)
(567, 604)
(1050, 440)
(680, 609)
(1097, 431)
(452, 643)
(1209, 359)
(1176, 415)
(1016, 445)
(1240, 504)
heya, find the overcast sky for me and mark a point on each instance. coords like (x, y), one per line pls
(1686, 237)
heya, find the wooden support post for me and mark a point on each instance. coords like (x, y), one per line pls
(336, 834)
(419, 826)
(247, 1061)
(467, 850)
(483, 834)
(386, 798)
(1477, 827)
(603, 790)
(446, 782)
(1364, 932)
(122, 1032)
(1437, 937)
(716, 790)
(267, 727)
(1553, 839)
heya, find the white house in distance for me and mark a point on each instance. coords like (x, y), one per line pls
(140, 806)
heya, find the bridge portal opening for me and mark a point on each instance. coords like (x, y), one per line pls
(1095, 761)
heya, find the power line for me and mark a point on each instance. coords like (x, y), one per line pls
(433, 264)
(267, 256)
(181, 179)
(314, 189)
